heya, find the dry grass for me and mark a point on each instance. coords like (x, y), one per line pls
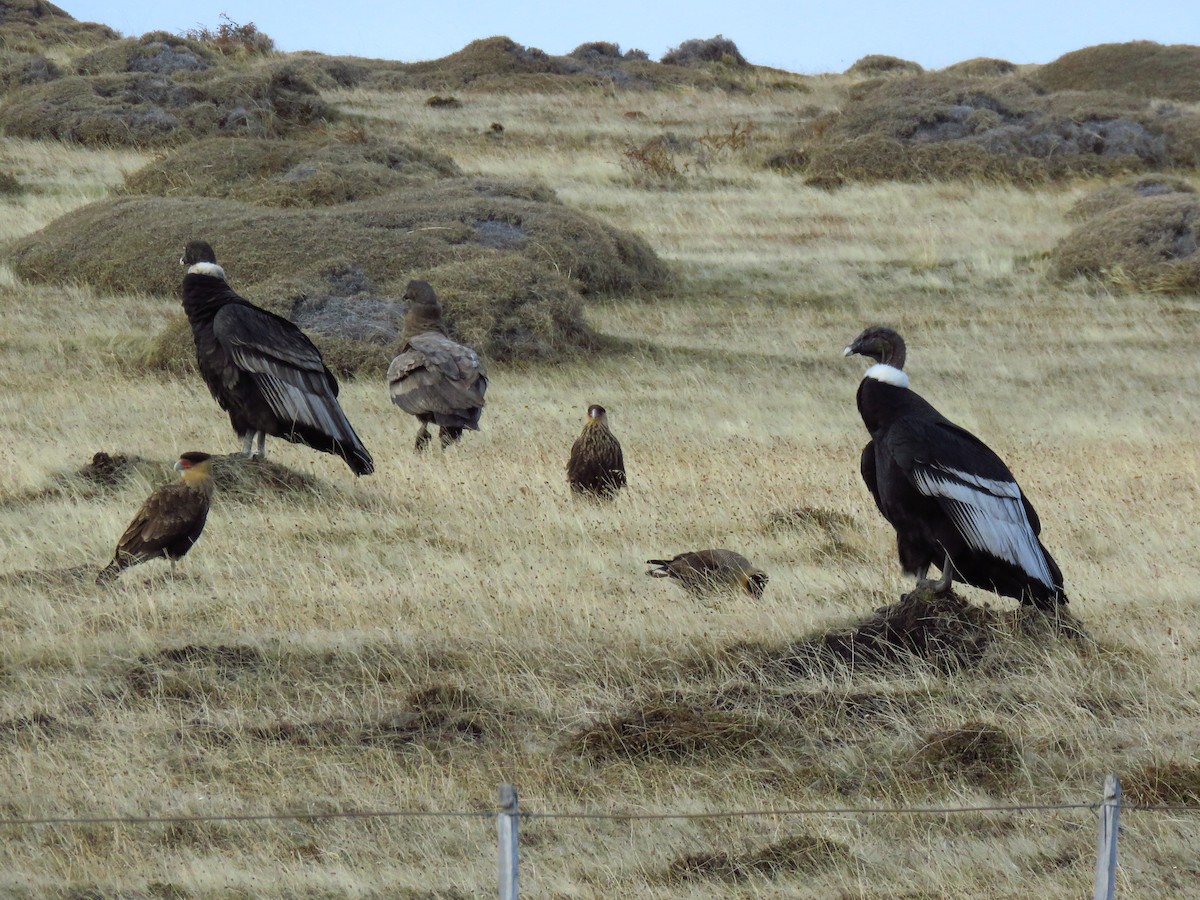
(408, 640)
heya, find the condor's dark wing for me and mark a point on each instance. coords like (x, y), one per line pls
(974, 488)
(291, 378)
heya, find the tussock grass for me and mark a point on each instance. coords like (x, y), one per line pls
(1141, 68)
(408, 640)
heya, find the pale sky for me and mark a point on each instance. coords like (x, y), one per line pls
(799, 36)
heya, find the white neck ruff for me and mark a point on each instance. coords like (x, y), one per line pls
(206, 268)
(888, 375)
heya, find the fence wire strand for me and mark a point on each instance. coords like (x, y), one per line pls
(586, 815)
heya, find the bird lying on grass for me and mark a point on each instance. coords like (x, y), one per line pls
(702, 572)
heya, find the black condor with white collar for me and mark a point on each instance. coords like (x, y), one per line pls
(952, 501)
(262, 369)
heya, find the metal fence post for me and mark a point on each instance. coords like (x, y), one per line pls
(1106, 854)
(506, 824)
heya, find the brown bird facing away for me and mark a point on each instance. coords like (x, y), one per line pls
(439, 381)
(703, 572)
(596, 465)
(170, 520)
(262, 369)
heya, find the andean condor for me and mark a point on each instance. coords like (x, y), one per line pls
(169, 521)
(702, 572)
(262, 369)
(952, 501)
(439, 381)
(596, 466)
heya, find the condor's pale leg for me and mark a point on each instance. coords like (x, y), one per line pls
(943, 584)
(262, 445)
(248, 444)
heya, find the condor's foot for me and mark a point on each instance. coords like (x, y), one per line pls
(423, 438)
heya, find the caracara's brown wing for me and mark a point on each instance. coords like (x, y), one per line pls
(434, 375)
(596, 464)
(172, 513)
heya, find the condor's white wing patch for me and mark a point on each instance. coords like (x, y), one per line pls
(989, 514)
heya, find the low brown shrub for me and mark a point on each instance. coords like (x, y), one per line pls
(152, 109)
(1147, 244)
(698, 51)
(511, 264)
(1107, 198)
(945, 126)
(1141, 68)
(797, 853)
(979, 753)
(158, 52)
(33, 26)
(875, 64)
(317, 172)
(982, 67)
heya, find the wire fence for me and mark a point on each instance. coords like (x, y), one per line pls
(508, 817)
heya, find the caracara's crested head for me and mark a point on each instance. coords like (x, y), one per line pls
(886, 347)
(424, 311)
(201, 259)
(194, 464)
(756, 583)
(597, 413)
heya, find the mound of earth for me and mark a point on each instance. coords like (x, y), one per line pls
(1146, 244)
(156, 100)
(32, 26)
(511, 264)
(1141, 68)
(875, 65)
(318, 172)
(1114, 195)
(942, 125)
(982, 67)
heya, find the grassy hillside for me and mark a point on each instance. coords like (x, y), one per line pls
(409, 640)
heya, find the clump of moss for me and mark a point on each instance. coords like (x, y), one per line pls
(1141, 68)
(320, 172)
(875, 65)
(1147, 244)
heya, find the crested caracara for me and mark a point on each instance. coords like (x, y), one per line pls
(262, 369)
(596, 466)
(169, 521)
(439, 381)
(952, 501)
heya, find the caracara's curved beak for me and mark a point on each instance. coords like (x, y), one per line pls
(180, 465)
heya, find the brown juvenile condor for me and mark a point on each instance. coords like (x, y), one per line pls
(170, 519)
(596, 465)
(435, 379)
(952, 501)
(702, 572)
(262, 369)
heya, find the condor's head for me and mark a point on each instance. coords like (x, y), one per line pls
(201, 259)
(881, 344)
